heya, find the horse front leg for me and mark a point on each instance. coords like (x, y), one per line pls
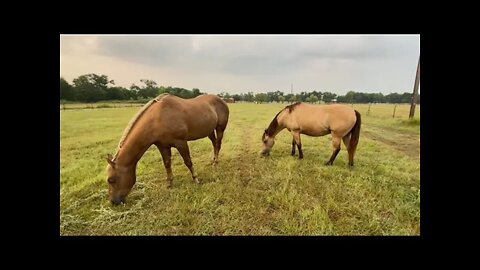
(293, 146)
(298, 142)
(166, 153)
(182, 147)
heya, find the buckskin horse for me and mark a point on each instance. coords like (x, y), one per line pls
(341, 121)
(166, 121)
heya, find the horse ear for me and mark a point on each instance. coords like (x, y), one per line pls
(110, 161)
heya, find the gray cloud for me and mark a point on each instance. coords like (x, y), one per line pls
(339, 63)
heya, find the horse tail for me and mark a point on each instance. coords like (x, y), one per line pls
(355, 132)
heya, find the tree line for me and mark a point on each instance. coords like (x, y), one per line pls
(93, 87)
(326, 97)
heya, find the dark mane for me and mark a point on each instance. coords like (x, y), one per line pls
(292, 107)
(274, 124)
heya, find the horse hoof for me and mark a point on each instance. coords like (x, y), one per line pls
(195, 180)
(327, 163)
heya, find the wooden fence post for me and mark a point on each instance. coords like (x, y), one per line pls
(415, 91)
(394, 108)
(368, 113)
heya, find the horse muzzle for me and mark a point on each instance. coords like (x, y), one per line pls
(117, 201)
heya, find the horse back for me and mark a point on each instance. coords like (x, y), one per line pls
(192, 118)
(324, 119)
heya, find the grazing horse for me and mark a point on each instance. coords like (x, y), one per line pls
(166, 121)
(341, 121)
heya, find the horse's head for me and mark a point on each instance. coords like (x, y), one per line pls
(268, 143)
(120, 181)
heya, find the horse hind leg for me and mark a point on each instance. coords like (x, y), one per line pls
(346, 141)
(215, 149)
(219, 130)
(336, 148)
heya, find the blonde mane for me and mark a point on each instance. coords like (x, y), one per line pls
(134, 120)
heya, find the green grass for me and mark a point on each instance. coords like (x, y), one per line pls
(246, 194)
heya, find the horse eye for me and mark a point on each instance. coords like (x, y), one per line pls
(111, 180)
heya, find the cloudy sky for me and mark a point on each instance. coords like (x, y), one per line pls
(241, 63)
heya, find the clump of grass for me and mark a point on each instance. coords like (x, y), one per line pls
(411, 122)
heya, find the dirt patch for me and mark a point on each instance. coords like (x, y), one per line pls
(406, 143)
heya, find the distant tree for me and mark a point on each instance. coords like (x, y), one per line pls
(394, 98)
(302, 96)
(328, 97)
(224, 95)
(350, 97)
(116, 93)
(237, 97)
(66, 90)
(406, 97)
(261, 97)
(150, 89)
(90, 87)
(292, 98)
(281, 99)
(196, 92)
(312, 98)
(249, 97)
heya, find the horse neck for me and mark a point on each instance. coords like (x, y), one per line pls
(279, 126)
(133, 149)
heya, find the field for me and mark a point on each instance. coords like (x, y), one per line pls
(246, 194)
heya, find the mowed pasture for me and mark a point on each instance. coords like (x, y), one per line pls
(246, 194)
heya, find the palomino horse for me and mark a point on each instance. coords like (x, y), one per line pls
(341, 121)
(167, 121)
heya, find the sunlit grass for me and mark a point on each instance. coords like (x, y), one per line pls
(245, 194)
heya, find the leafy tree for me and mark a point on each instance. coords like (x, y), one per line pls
(249, 97)
(150, 89)
(261, 97)
(90, 87)
(66, 90)
(224, 95)
(328, 97)
(196, 92)
(237, 97)
(292, 98)
(116, 93)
